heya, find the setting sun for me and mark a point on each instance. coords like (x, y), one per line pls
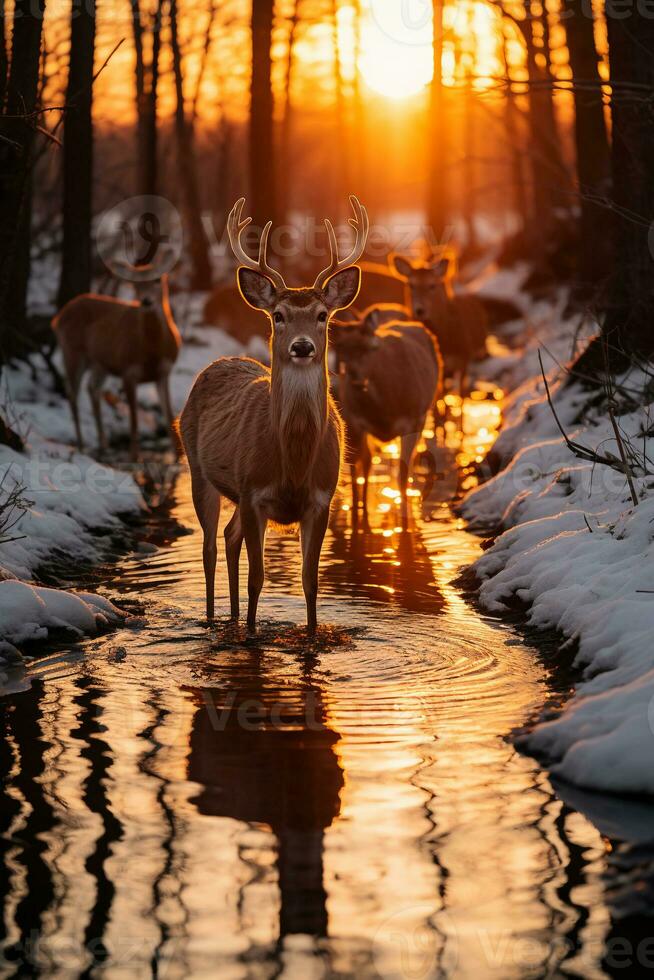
(396, 57)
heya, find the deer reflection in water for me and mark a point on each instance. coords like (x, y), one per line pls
(264, 754)
(382, 562)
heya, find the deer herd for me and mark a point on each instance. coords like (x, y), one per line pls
(272, 440)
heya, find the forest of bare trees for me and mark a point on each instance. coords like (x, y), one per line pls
(556, 147)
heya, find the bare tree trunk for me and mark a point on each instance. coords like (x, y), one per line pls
(359, 162)
(147, 78)
(437, 191)
(592, 147)
(15, 170)
(518, 179)
(77, 207)
(263, 185)
(469, 168)
(286, 135)
(342, 157)
(4, 64)
(548, 172)
(201, 266)
(628, 324)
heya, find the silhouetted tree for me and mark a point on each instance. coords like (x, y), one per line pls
(516, 150)
(549, 174)
(628, 323)
(262, 191)
(78, 156)
(200, 264)
(592, 148)
(16, 149)
(436, 189)
(286, 134)
(147, 84)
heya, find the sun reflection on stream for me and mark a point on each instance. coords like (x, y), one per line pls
(213, 804)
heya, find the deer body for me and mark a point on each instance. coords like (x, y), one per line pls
(458, 320)
(270, 439)
(225, 309)
(390, 379)
(135, 341)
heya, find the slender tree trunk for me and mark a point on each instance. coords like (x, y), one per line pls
(263, 192)
(592, 149)
(342, 157)
(551, 134)
(201, 265)
(437, 191)
(15, 170)
(511, 118)
(549, 176)
(286, 136)
(469, 166)
(147, 78)
(630, 313)
(4, 64)
(77, 207)
(359, 161)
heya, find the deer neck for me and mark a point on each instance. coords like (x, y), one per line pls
(299, 410)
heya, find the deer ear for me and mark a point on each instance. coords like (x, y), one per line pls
(402, 266)
(371, 321)
(256, 289)
(441, 266)
(343, 288)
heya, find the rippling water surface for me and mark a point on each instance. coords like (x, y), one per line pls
(185, 801)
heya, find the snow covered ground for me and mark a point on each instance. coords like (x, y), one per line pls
(578, 553)
(55, 498)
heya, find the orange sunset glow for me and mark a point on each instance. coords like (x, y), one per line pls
(326, 399)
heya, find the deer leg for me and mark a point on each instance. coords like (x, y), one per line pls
(409, 443)
(355, 490)
(366, 463)
(233, 544)
(130, 393)
(163, 392)
(254, 531)
(312, 530)
(74, 370)
(96, 378)
(206, 501)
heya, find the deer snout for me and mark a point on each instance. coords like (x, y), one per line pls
(302, 347)
(420, 312)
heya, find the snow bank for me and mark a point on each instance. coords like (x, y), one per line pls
(28, 612)
(580, 556)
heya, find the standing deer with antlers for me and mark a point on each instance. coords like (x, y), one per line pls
(270, 440)
(135, 341)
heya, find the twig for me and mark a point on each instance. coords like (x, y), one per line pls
(616, 430)
(581, 452)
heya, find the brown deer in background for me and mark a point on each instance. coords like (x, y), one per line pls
(459, 320)
(390, 374)
(225, 309)
(135, 341)
(270, 439)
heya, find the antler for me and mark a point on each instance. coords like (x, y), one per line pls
(235, 228)
(361, 225)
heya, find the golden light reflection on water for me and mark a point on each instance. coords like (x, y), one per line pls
(225, 806)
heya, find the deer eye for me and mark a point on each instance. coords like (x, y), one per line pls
(278, 318)
(322, 317)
